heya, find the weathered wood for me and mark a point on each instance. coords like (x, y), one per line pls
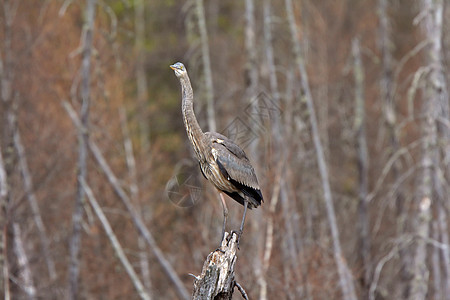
(217, 278)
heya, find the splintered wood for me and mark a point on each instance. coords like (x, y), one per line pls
(217, 278)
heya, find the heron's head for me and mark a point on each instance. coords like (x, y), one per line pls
(179, 69)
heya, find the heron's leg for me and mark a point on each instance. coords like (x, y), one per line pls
(225, 215)
(243, 217)
(241, 229)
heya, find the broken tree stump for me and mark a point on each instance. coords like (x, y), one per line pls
(217, 278)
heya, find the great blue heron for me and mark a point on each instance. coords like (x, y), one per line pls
(222, 162)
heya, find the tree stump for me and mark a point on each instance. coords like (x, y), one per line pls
(217, 278)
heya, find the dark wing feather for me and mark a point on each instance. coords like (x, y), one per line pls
(254, 195)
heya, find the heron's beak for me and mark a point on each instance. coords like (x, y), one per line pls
(172, 67)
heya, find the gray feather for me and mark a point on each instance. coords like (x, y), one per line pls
(234, 160)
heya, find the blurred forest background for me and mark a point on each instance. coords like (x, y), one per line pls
(342, 107)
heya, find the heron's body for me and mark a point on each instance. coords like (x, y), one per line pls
(230, 171)
(222, 162)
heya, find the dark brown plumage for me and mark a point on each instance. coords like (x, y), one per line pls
(222, 162)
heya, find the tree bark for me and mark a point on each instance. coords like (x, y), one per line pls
(345, 278)
(217, 280)
(77, 215)
(435, 93)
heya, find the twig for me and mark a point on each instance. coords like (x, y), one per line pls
(241, 289)
(381, 263)
(387, 167)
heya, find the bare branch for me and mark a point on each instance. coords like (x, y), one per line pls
(134, 189)
(241, 289)
(28, 187)
(115, 242)
(24, 267)
(396, 249)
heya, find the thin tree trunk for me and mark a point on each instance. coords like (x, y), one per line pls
(28, 187)
(345, 278)
(142, 94)
(445, 252)
(268, 39)
(134, 189)
(115, 243)
(363, 165)
(4, 286)
(7, 157)
(435, 93)
(250, 49)
(385, 45)
(289, 247)
(141, 79)
(75, 240)
(262, 280)
(294, 256)
(26, 283)
(442, 175)
(206, 66)
(276, 135)
(252, 81)
(420, 273)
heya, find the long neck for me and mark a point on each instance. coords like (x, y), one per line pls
(193, 130)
